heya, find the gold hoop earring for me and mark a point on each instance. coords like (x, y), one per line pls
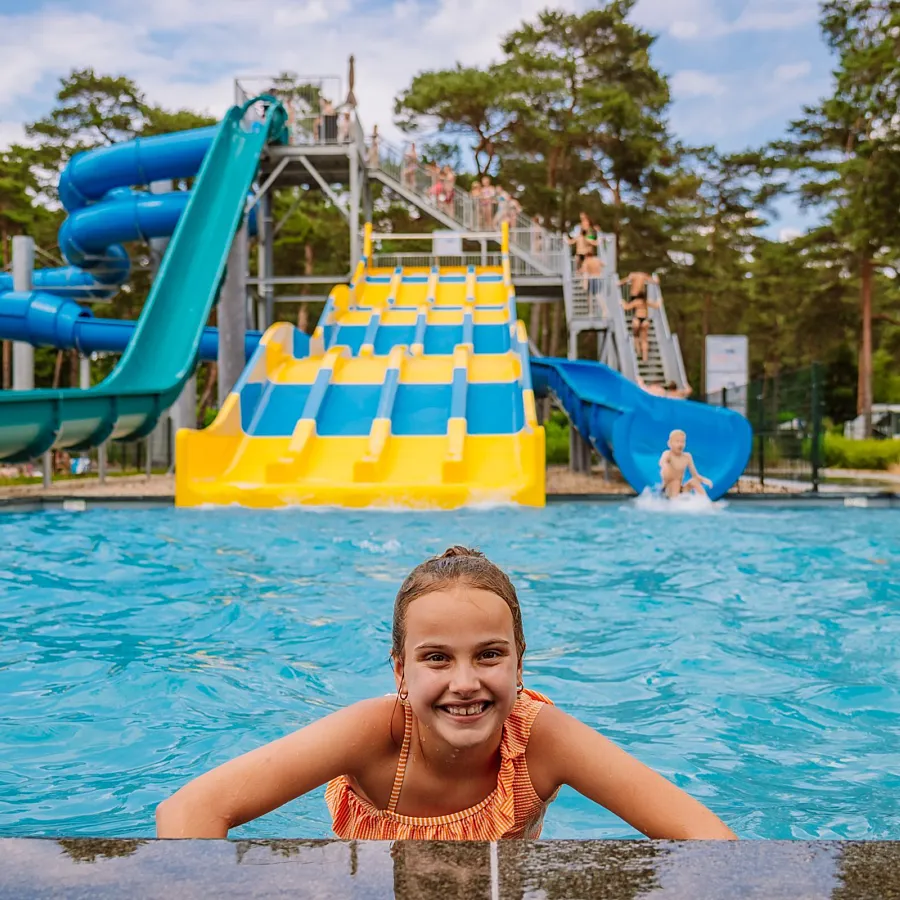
(402, 695)
(520, 687)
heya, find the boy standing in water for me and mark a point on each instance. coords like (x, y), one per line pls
(672, 466)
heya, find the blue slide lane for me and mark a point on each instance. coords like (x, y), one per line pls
(631, 427)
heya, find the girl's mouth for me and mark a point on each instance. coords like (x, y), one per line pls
(466, 710)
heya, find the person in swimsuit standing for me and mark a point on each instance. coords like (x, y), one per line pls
(463, 751)
(638, 284)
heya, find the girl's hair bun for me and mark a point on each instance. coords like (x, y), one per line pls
(459, 550)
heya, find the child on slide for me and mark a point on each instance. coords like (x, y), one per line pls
(464, 751)
(674, 463)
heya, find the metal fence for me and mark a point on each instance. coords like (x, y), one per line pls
(786, 412)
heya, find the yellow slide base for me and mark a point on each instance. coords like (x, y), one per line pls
(216, 468)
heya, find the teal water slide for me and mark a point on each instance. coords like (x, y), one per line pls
(164, 350)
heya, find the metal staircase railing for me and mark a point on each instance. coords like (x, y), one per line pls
(539, 252)
(664, 364)
(669, 346)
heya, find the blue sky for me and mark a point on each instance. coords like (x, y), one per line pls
(739, 69)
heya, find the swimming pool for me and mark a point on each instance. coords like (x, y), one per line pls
(751, 655)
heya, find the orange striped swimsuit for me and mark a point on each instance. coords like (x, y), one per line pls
(512, 810)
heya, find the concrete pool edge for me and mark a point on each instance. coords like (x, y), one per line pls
(137, 868)
(81, 503)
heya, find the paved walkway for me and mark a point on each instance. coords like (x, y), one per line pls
(559, 481)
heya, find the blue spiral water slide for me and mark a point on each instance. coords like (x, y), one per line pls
(164, 345)
(102, 218)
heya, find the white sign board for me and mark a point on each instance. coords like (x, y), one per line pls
(728, 367)
(446, 243)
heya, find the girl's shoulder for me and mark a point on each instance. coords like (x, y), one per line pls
(544, 748)
(378, 723)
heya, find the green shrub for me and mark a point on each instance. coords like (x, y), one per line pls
(557, 432)
(841, 453)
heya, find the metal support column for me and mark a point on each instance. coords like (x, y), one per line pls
(573, 344)
(354, 207)
(368, 202)
(265, 314)
(579, 452)
(23, 354)
(232, 317)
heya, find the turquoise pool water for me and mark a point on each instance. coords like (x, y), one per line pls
(752, 656)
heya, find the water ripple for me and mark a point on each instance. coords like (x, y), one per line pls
(751, 656)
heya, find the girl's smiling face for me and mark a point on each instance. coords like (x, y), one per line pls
(460, 666)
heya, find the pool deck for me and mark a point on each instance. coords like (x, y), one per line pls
(102, 869)
(562, 486)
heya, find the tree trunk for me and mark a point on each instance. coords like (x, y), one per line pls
(704, 324)
(7, 365)
(544, 342)
(534, 326)
(864, 393)
(555, 329)
(74, 369)
(57, 369)
(210, 388)
(617, 212)
(308, 259)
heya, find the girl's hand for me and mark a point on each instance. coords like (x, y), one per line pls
(562, 750)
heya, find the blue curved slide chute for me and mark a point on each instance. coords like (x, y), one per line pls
(631, 427)
(168, 335)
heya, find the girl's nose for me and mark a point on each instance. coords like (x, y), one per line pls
(464, 680)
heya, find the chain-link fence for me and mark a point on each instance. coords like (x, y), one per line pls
(785, 411)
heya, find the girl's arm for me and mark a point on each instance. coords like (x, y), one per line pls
(270, 776)
(563, 750)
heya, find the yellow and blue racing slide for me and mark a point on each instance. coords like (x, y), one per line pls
(416, 392)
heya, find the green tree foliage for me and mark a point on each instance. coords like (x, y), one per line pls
(572, 116)
(463, 102)
(846, 152)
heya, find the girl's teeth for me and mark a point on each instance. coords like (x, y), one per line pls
(472, 710)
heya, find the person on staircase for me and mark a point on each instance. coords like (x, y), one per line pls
(410, 164)
(448, 185)
(487, 202)
(374, 155)
(639, 305)
(585, 243)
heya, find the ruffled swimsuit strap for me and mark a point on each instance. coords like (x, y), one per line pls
(401, 763)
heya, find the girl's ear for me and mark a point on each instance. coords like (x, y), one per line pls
(519, 668)
(398, 670)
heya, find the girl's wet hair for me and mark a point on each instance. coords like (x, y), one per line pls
(457, 565)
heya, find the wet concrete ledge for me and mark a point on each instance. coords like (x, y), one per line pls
(515, 870)
(78, 503)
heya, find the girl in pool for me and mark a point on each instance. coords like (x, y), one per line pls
(463, 752)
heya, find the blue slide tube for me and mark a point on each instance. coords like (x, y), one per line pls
(48, 321)
(631, 427)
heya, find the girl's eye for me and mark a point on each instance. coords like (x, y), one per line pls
(435, 657)
(491, 654)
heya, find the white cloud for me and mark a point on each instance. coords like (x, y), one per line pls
(741, 101)
(793, 71)
(11, 133)
(692, 83)
(185, 53)
(785, 235)
(684, 30)
(706, 19)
